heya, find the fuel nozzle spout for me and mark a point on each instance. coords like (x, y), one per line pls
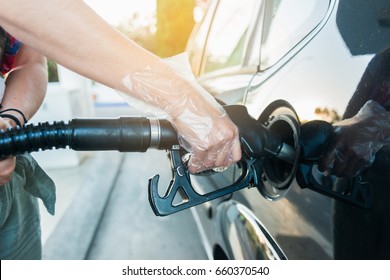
(257, 140)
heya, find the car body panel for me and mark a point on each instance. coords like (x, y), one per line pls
(317, 76)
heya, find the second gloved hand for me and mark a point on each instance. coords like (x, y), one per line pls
(356, 141)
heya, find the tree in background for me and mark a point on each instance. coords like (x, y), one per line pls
(175, 21)
(52, 71)
(326, 114)
(164, 33)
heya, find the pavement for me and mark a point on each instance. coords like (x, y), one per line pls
(82, 194)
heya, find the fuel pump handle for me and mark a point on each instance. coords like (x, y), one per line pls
(257, 143)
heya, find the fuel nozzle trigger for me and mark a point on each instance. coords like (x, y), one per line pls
(181, 185)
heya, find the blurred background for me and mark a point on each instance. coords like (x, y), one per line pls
(102, 211)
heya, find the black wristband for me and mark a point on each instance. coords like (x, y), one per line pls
(14, 110)
(12, 117)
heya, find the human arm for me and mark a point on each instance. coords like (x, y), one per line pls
(356, 141)
(70, 33)
(25, 90)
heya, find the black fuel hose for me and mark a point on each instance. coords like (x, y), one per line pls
(125, 134)
(133, 134)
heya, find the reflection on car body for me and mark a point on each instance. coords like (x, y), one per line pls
(310, 56)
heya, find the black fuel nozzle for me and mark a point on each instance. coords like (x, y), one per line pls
(134, 134)
(257, 143)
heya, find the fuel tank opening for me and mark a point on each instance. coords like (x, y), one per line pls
(280, 118)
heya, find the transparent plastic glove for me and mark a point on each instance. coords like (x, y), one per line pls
(356, 141)
(203, 127)
(7, 166)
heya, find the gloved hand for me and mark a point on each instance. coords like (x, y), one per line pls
(203, 126)
(7, 166)
(356, 141)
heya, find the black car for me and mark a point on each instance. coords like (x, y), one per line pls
(290, 62)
